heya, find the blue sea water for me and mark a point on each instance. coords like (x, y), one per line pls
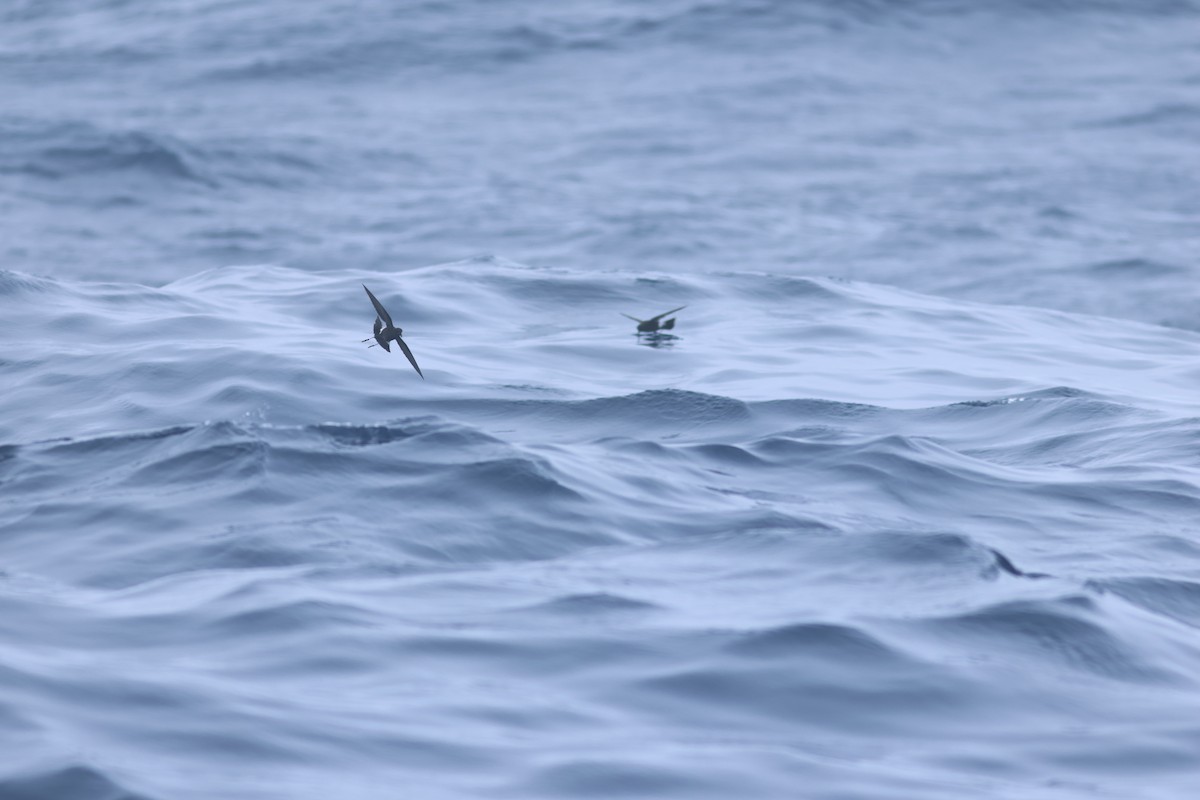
(905, 506)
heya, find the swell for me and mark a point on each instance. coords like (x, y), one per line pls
(121, 164)
(71, 782)
(834, 517)
(695, 466)
(65, 150)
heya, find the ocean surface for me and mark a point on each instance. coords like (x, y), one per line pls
(906, 506)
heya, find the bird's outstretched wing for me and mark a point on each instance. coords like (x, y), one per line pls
(379, 309)
(635, 319)
(665, 313)
(409, 354)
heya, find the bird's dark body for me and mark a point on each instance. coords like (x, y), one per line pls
(655, 323)
(385, 332)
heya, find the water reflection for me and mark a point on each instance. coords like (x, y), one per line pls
(658, 339)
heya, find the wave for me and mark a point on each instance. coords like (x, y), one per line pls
(870, 541)
(75, 782)
(834, 513)
(71, 150)
(125, 166)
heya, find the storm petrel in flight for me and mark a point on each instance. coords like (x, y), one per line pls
(651, 325)
(386, 331)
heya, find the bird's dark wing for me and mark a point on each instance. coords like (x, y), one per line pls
(409, 354)
(665, 313)
(379, 309)
(378, 326)
(635, 319)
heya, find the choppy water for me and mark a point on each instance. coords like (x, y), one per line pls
(878, 535)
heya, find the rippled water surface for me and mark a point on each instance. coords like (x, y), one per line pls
(903, 507)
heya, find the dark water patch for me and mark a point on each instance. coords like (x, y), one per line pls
(1175, 598)
(1143, 756)
(735, 526)
(934, 548)
(381, 48)
(453, 439)
(133, 151)
(1163, 114)
(817, 696)
(1179, 546)
(346, 435)
(271, 544)
(65, 626)
(116, 445)
(194, 456)
(644, 449)
(205, 463)
(1051, 393)
(916, 471)
(1151, 497)
(287, 619)
(8, 452)
(514, 478)
(1021, 423)
(704, 24)
(449, 648)
(48, 517)
(944, 552)
(669, 405)
(16, 283)
(821, 641)
(1134, 268)
(1067, 634)
(78, 150)
(163, 371)
(599, 604)
(75, 782)
(248, 163)
(820, 412)
(565, 654)
(727, 454)
(608, 778)
(1062, 450)
(680, 410)
(782, 450)
(297, 469)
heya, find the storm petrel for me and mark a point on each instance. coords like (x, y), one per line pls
(651, 325)
(386, 331)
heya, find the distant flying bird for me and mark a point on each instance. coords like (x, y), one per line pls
(651, 325)
(386, 331)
